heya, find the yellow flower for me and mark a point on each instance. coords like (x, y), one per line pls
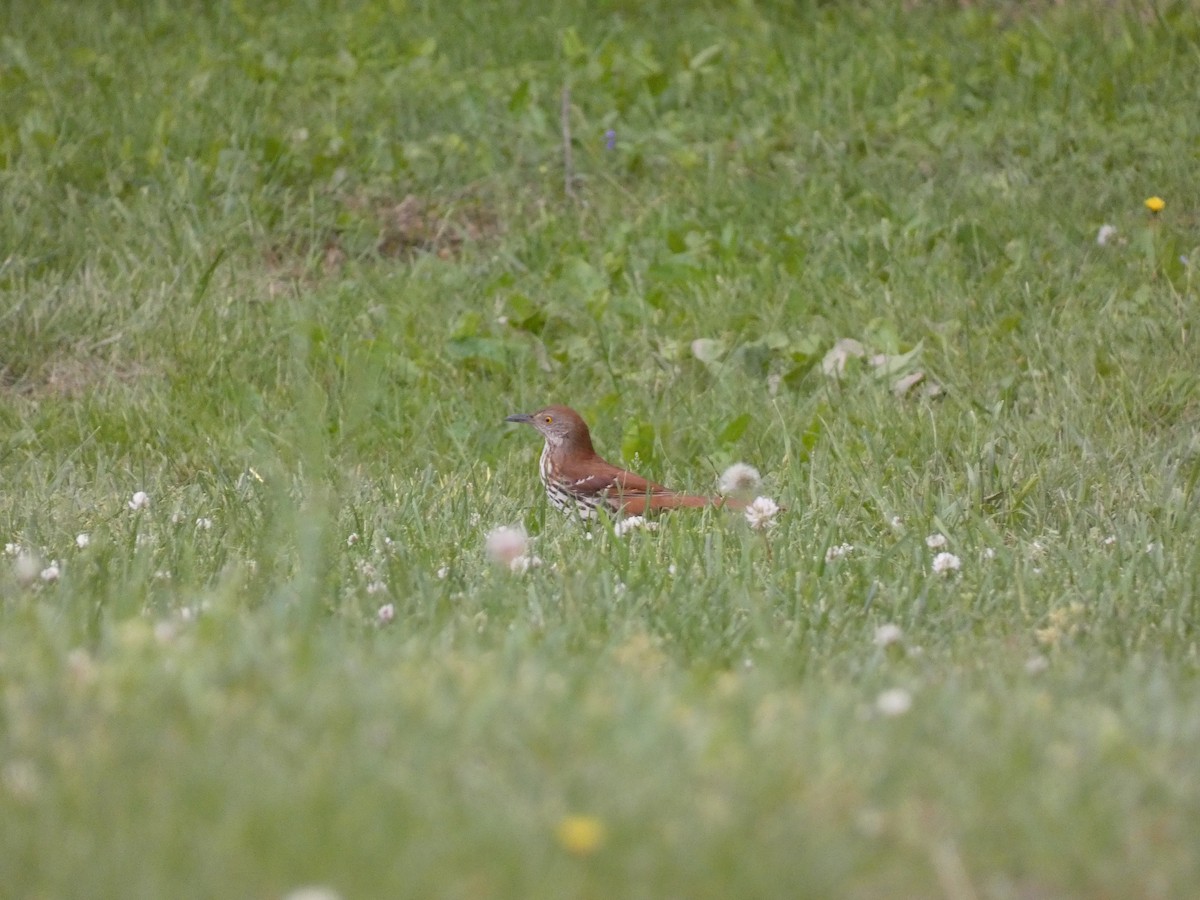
(580, 835)
(1155, 204)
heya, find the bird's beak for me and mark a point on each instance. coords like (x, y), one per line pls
(520, 417)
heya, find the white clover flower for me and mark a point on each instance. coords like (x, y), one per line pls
(894, 702)
(935, 541)
(385, 614)
(888, 634)
(837, 552)
(519, 565)
(376, 587)
(51, 573)
(12, 549)
(633, 523)
(761, 513)
(27, 568)
(139, 501)
(739, 477)
(671, 570)
(352, 539)
(989, 553)
(82, 540)
(1036, 664)
(896, 522)
(1105, 235)
(443, 572)
(1110, 540)
(506, 543)
(945, 563)
(204, 523)
(313, 892)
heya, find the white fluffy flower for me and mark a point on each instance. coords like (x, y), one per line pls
(838, 551)
(935, 541)
(945, 563)
(761, 513)
(633, 523)
(386, 614)
(26, 568)
(894, 702)
(739, 477)
(51, 573)
(506, 544)
(139, 501)
(888, 634)
(82, 540)
(519, 565)
(1105, 235)
(204, 523)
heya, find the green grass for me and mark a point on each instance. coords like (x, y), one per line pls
(286, 267)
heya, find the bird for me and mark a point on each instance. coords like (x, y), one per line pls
(579, 481)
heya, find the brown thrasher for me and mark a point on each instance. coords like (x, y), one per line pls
(578, 480)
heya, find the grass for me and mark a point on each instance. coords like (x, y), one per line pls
(286, 267)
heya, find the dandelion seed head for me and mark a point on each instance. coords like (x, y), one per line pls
(739, 477)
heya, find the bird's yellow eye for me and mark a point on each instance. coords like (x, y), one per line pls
(549, 419)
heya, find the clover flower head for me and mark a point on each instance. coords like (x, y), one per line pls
(946, 563)
(761, 513)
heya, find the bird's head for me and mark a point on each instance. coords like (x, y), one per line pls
(560, 426)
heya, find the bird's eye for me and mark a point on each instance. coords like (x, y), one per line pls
(549, 419)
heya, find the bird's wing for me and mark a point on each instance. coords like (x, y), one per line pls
(601, 476)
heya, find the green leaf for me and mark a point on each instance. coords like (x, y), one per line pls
(735, 429)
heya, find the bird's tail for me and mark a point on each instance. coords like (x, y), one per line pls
(641, 504)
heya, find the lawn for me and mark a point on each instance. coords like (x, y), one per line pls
(273, 275)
